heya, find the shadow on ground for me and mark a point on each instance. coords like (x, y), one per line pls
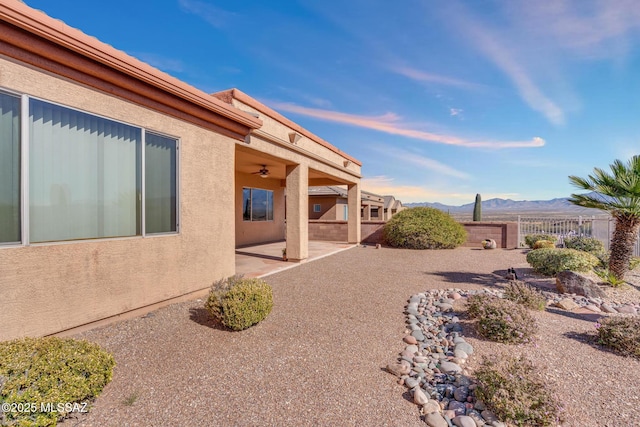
(589, 317)
(495, 279)
(590, 339)
(201, 316)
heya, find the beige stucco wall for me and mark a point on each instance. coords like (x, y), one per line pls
(250, 232)
(329, 209)
(48, 288)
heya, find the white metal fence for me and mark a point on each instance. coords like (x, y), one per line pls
(560, 227)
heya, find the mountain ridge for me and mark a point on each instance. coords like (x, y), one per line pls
(498, 205)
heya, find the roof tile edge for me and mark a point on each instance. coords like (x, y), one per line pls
(234, 93)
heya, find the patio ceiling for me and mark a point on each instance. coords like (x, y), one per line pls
(250, 161)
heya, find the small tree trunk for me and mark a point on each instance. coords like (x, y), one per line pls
(624, 237)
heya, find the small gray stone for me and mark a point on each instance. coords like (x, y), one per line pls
(398, 369)
(593, 308)
(418, 335)
(411, 382)
(567, 304)
(449, 367)
(461, 394)
(430, 407)
(479, 405)
(458, 407)
(608, 309)
(434, 419)
(419, 397)
(464, 421)
(465, 346)
(460, 354)
(411, 349)
(627, 309)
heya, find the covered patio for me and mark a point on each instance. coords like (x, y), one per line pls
(266, 259)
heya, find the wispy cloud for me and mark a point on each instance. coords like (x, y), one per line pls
(414, 193)
(487, 42)
(409, 157)
(215, 16)
(455, 112)
(586, 27)
(161, 62)
(423, 77)
(391, 123)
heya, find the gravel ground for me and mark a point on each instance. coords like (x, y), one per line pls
(318, 358)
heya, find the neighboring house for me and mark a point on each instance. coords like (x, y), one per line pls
(329, 203)
(391, 207)
(116, 180)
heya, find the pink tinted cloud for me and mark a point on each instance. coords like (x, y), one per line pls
(390, 123)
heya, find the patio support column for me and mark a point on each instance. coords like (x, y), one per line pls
(297, 191)
(353, 222)
(366, 214)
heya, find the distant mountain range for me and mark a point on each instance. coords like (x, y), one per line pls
(515, 207)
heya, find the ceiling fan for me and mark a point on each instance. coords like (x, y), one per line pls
(264, 172)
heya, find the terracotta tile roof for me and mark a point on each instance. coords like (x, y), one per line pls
(230, 94)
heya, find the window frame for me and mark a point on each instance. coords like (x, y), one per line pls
(251, 205)
(25, 146)
(317, 208)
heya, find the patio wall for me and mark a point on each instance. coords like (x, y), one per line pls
(504, 233)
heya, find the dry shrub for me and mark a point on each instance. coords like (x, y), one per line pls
(501, 320)
(621, 334)
(521, 293)
(514, 390)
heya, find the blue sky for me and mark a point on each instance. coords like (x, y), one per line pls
(439, 99)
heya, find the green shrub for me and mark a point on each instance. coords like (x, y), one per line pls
(621, 334)
(531, 239)
(521, 293)
(609, 277)
(424, 228)
(35, 372)
(634, 262)
(514, 390)
(544, 244)
(552, 261)
(586, 244)
(501, 320)
(239, 303)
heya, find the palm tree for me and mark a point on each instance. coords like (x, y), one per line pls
(618, 193)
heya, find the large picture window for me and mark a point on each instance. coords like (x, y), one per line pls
(257, 204)
(85, 175)
(9, 169)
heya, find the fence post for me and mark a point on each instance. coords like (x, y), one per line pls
(518, 245)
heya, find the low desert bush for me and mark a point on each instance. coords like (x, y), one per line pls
(424, 228)
(501, 320)
(552, 261)
(634, 262)
(544, 244)
(608, 277)
(239, 303)
(531, 239)
(586, 244)
(514, 390)
(621, 334)
(36, 372)
(523, 294)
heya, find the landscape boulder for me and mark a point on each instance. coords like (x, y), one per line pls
(570, 282)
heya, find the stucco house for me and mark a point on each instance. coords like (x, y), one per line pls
(329, 203)
(116, 180)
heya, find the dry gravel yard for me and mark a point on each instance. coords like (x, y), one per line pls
(318, 358)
